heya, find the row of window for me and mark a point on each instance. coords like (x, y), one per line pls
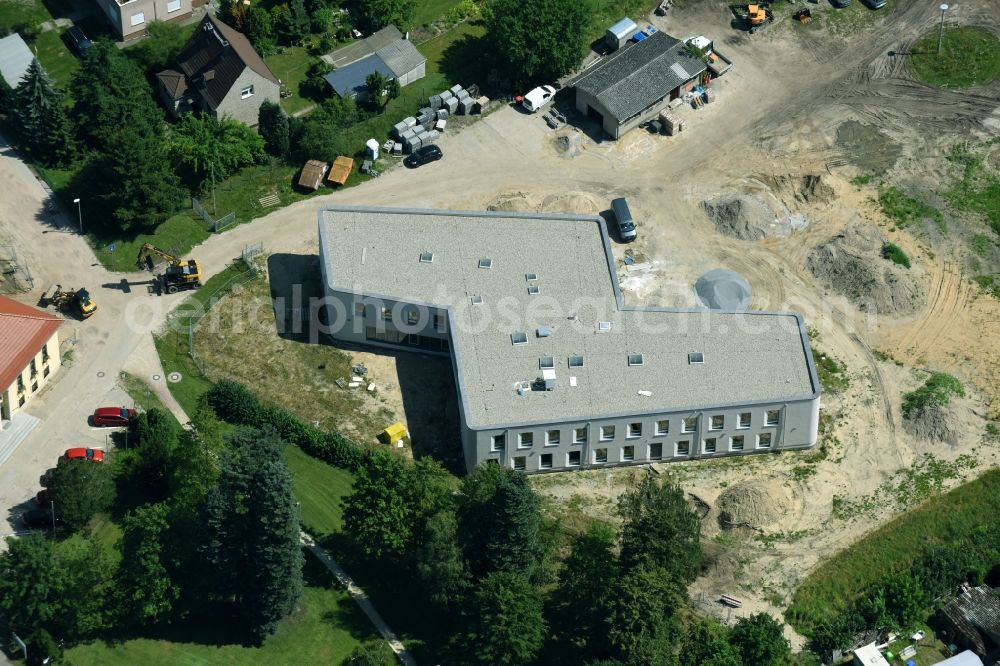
(33, 372)
(654, 451)
(772, 417)
(412, 317)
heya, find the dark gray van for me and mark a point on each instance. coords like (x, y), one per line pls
(623, 216)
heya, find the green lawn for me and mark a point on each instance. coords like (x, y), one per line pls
(943, 520)
(969, 57)
(324, 630)
(14, 15)
(426, 12)
(290, 67)
(319, 489)
(177, 235)
(141, 395)
(58, 61)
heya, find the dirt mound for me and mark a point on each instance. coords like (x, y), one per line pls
(867, 147)
(515, 202)
(851, 263)
(741, 216)
(806, 189)
(570, 202)
(932, 423)
(749, 504)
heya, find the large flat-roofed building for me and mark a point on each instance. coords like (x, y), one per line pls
(553, 370)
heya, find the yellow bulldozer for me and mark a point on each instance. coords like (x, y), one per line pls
(77, 301)
(180, 274)
(757, 16)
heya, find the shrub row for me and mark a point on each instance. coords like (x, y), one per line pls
(235, 403)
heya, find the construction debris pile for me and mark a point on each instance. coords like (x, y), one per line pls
(749, 505)
(740, 216)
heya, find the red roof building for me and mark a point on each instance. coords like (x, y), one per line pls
(29, 353)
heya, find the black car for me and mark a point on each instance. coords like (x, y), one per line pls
(36, 518)
(422, 156)
(840, 4)
(875, 4)
(77, 41)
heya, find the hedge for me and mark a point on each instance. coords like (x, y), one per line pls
(235, 403)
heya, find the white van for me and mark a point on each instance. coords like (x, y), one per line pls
(626, 225)
(538, 98)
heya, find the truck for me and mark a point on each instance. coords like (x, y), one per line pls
(180, 274)
(718, 64)
(76, 301)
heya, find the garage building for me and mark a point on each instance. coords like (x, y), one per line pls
(635, 83)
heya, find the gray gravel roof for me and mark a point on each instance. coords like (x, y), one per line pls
(632, 78)
(749, 357)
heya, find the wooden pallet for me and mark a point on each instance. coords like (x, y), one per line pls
(269, 200)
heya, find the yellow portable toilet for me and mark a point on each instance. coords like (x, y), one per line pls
(394, 433)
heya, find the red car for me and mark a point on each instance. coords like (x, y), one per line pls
(80, 453)
(112, 416)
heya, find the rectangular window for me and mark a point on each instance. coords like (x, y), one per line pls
(439, 323)
(551, 437)
(634, 430)
(45, 354)
(525, 439)
(138, 19)
(497, 443)
(573, 459)
(246, 92)
(736, 443)
(764, 440)
(600, 455)
(34, 369)
(387, 314)
(773, 417)
(607, 433)
(359, 309)
(709, 445)
(34, 386)
(20, 384)
(628, 453)
(744, 420)
(683, 448)
(545, 462)
(663, 427)
(580, 435)
(45, 371)
(690, 424)
(519, 462)
(173, 6)
(717, 422)
(412, 316)
(656, 451)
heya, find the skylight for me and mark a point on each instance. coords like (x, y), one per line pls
(604, 325)
(635, 359)
(530, 277)
(426, 257)
(533, 290)
(696, 357)
(486, 262)
(575, 362)
(546, 362)
(477, 300)
(519, 338)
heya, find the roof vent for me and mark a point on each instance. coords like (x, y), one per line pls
(208, 75)
(426, 257)
(530, 277)
(546, 362)
(533, 290)
(575, 361)
(696, 357)
(519, 338)
(604, 326)
(477, 300)
(486, 262)
(635, 359)
(543, 331)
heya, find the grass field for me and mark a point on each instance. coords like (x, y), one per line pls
(290, 67)
(176, 236)
(943, 520)
(324, 630)
(141, 395)
(56, 58)
(969, 57)
(319, 490)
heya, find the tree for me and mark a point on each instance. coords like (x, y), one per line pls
(706, 643)
(659, 526)
(80, 489)
(371, 653)
(204, 145)
(272, 123)
(506, 625)
(760, 640)
(147, 591)
(538, 40)
(252, 531)
(580, 600)
(6, 96)
(438, 560)
(642, 605)
(147, 465)
(376, 83)
(393, 89)
(378, 514)
(294, 23)
(85, 602)
(29, 583)
(259, 28)
(904, 599)
(39, 118)
(378, 14)
(499, 520)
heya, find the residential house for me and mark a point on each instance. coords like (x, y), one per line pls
(972, 620)
(218, 72)
(387, 51)
(131, 18)
(29, 353)
(632, 85)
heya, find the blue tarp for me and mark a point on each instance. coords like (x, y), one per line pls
(349, 81)
(639, 36)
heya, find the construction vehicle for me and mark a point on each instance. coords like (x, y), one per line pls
(180, 274)
(76, 301)
(757, 16)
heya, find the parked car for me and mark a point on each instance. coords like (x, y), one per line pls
(33, 518)
(623, 216)
(538, 98)
(81, 453)
(113, 416)
(840, 4)
(77, 41)
(43, 498)
(875, 4)
(423, 155)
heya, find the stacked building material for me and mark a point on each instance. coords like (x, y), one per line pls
(431, 136)
(672, 124)
(434, 101)
(442, 114)
(465, 104)
(451, 103)
(709, 96)
(456, 89)
(446, 95)
(398, 129)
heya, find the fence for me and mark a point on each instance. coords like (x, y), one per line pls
(15, 276)
(210, 299)
(213, 224)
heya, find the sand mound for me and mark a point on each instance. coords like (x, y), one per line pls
(749, 504)
(931, 423)
(851, 263)
(720, 289)
(741, 216)
(806, 189)
(515, 202)
(571, 202)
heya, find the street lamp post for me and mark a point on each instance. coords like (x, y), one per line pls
(944, 8)
(79, 213)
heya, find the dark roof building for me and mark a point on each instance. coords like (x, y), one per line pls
(973, 619)
(636, 82)
(219, 72)
(387, 51)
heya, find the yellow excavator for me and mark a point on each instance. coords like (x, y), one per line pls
(181, 274)
(77, 301)
(757, 16)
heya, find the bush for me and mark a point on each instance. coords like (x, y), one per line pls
(895, 254)
(234, 403)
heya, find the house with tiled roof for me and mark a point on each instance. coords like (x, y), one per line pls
(972, 620)
(29, 353)
(220, 73)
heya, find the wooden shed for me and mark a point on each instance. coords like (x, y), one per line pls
(312, 174)
(340, 170)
